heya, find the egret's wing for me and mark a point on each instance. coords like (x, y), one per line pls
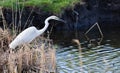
(24, 37)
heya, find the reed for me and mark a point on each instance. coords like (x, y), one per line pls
(80, 53)
(31, 58)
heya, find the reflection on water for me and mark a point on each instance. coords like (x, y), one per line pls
(98, 59)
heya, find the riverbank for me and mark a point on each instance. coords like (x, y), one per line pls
(80, 16)
(54, 6)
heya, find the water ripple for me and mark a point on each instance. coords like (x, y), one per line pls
(99, 59)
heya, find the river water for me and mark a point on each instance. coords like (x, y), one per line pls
(104, 58)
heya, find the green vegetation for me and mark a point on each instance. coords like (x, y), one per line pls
(47, 5)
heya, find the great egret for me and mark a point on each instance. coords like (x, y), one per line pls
(31, 33)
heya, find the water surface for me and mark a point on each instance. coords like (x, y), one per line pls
(104, 58)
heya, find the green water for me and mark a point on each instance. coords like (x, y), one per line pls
(104, 58)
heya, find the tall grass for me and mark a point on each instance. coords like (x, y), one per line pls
(32, 58)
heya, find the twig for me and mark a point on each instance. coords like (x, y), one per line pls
(96, 24)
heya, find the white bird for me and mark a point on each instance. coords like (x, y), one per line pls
(30, 33)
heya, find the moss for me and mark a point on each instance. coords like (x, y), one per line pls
(47, 5)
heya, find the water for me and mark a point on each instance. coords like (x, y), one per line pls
(100, 59)
(104, 58)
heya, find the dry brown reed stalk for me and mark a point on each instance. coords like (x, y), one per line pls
(43, 60)
(5, 39)
(80, 52)
(11, 62)
(32, 58)
(53, 60)
(19, 54)
(3, 18)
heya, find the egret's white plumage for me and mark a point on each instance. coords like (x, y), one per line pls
(30, 33)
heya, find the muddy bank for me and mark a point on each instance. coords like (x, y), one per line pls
(80, 17)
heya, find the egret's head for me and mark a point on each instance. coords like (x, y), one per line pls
(56, 18)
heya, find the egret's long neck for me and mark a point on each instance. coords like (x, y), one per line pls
(45, 27)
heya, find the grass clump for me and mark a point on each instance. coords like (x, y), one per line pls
(37, 57)
(54, 6)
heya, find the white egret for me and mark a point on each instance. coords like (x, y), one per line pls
(31, 33)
